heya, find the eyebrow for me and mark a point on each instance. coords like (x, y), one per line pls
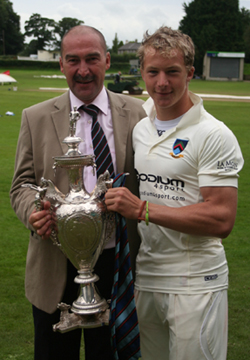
(88, 55)
(150, 67)
(96, 53)
(70, 56)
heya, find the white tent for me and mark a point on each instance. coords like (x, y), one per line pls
(6, 79)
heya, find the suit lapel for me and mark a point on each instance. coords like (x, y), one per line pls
(61, 119)
(120, 120)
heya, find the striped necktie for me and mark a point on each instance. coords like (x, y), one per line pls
(102, 153)
(123, 322)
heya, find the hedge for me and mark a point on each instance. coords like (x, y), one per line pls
(26, 64)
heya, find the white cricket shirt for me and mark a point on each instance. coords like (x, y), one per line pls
(200, 151)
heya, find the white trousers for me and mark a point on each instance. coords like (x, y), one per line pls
(183, 327)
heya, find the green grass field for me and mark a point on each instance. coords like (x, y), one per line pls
(16, 327)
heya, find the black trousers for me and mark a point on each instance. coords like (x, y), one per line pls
(50, 345)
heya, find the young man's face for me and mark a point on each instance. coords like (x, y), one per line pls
(166, 80)
(84, 63)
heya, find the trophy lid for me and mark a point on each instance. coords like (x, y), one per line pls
(73, 157)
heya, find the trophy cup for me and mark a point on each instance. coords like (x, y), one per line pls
(82, 226)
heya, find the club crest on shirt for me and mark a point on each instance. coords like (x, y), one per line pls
(178, 147)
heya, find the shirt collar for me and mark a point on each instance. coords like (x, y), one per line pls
(150, 110)
(101, 101)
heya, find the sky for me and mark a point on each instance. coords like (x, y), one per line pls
(128, 19)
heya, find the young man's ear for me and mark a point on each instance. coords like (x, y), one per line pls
(190, 73)
(142, 74)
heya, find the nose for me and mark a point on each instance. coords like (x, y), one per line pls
(83, 69)
(162, 79)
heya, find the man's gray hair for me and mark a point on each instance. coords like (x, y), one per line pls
(83, 29)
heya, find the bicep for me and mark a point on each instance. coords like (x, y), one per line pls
(222, 202)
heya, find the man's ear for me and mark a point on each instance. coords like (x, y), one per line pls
(61, 64)
(108, 60)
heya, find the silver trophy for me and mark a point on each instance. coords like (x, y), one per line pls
(81, 228)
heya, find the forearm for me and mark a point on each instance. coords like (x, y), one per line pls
(22, 202)
(22, 199)
(213, 217)
(193, 219)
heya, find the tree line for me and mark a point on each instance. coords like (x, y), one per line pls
(46, 33)
(216, 26)
(213, 25)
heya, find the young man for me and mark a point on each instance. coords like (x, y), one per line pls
(49, 276)
(187, 164)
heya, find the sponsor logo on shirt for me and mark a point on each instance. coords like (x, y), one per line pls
(166, 184)
(227, 165)
(178, 147)
(162, 186)
(162, 196)
(210, 277)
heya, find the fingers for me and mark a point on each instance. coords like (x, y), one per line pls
(123, 201)
(46, 205)
(115, 197)
(41, 221)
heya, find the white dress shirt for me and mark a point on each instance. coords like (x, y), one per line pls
(83, 130)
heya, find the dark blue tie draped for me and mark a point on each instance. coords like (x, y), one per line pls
(125, 337)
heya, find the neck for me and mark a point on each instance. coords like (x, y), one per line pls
(173, 112)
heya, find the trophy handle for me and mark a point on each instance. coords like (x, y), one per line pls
(40, 195)
(41, 192)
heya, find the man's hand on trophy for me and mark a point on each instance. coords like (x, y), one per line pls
(42, 221)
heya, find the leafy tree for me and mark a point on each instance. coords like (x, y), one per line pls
(63, 26)
(11, 38)
(30, 48)
(245, 21)
(42, 29)
(213, 25)
(116, 45)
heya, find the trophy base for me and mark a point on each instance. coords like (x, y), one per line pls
(89, 301)
(89, 310)
(71, 321)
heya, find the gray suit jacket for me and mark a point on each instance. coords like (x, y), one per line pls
(43, 128)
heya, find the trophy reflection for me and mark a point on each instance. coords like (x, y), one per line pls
(82, 226)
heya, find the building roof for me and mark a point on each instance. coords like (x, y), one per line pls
(228, 54)
(130, 46)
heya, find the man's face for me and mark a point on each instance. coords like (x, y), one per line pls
(166, 80)
(84, 64)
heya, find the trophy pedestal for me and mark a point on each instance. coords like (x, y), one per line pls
(71, 321)
(90, 310)
(89, 301)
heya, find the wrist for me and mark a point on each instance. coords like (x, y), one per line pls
(140, 216)
(144, 213)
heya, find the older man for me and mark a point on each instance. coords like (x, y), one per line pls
(49, 276)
